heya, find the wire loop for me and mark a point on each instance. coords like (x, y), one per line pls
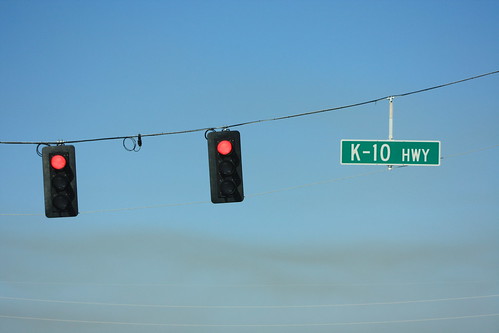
(134, 147)
(206, 132)
(38, 148)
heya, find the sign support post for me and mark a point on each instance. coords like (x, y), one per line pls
(390, 124)
(390, 119)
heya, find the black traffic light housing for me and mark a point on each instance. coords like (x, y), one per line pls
(59, 181)
(226, 174)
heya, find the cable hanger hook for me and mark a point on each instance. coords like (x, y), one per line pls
(206, 132)
(38, 148)
(136, 146)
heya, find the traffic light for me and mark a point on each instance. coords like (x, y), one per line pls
(59, 181)
(226, 176)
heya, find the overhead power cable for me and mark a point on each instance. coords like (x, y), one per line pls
(434, 300)
(204, 129)
(247, 285)
(123, 323)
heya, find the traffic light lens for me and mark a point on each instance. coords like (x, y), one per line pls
(60, 182)
(227, 187)
(61, 202)
(224, 147)
(227, 168)
(58, 162)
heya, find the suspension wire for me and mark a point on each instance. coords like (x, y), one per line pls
(445, 84)
(250, 122)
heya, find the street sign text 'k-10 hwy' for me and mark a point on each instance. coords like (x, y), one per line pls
(390, 152)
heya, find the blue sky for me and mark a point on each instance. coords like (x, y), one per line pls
(315, 245)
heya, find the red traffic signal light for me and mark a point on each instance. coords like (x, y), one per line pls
(224, 147)
(224, 157)
(58, 162)
(59, 181)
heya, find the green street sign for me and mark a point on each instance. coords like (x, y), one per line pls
(390, 152)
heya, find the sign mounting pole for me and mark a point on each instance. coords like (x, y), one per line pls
(390, 119)
(390, 123)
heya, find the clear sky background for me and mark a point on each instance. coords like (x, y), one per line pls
(316, 246)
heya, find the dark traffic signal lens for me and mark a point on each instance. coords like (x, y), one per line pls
(227, 187)
(60, 182)
(227, 168)
(61, 201)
